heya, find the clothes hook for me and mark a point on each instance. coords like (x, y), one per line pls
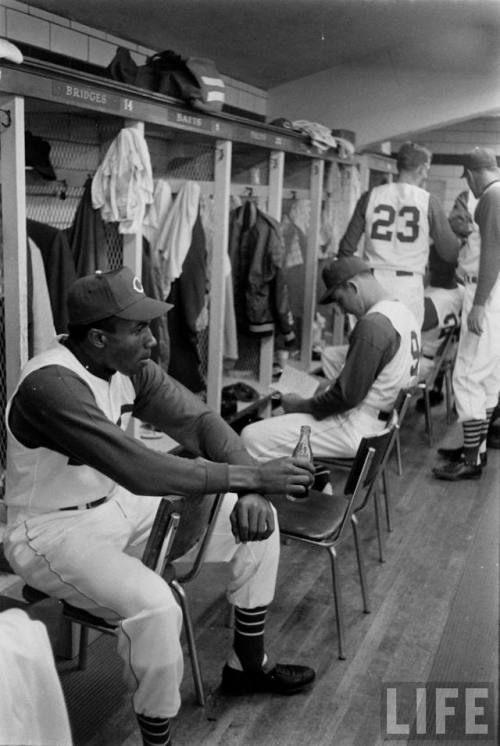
(7, 121)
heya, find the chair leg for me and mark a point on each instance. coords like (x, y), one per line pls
(387, 499)
(361, 565)
(188, 626)
(399, 461)
(339, 618)
(377, 525)
(448, 394)
(428, 416)
(83, 647)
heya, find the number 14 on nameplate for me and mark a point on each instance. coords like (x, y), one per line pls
(294, 381)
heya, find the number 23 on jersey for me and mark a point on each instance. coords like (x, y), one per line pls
(404, 224)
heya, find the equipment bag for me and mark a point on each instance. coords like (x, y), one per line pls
(192, 79)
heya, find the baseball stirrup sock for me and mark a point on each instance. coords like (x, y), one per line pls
(154, 731)
(486, 427)
(249, 636)
(472, 440)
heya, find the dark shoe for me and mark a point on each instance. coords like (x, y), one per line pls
(435, 398)
(452, 454)
(493, 439)
(456, 472)
(282, 679)
(455, 455)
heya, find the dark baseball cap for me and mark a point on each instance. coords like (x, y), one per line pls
(117, 293)
(479, 158)
(37, 155)
(338, 272)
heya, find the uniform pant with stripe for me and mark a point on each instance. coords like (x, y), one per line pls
(91, 558)
(335, 436)
(476, 375)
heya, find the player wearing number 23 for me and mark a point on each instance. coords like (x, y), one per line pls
(399, 221)
(381, 358)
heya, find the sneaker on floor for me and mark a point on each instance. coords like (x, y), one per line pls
(282, 679)
(455, 472)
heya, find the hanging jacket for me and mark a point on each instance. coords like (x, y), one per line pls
(87, 236)
(257, 253)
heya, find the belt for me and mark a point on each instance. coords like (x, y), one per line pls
(86, 506)
(398, 272)
(471, 278)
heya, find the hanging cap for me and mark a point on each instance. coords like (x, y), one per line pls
(37, 155)
(9, 51)
(338, 272)
(479, 158)
(117, 293)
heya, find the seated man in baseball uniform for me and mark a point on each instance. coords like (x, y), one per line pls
(82, 495)
(382, 358)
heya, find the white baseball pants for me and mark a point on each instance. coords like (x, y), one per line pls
(409, 289)
(476, 376)
(336, 436)
(91, 558)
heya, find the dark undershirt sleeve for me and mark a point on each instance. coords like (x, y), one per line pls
(356, 228)
(372, 345)
(445, 241)
(55, 409)
(488, 218)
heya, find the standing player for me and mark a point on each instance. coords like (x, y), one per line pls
(399, 220)
(476, 377)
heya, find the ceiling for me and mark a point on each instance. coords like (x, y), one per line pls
(269, 42)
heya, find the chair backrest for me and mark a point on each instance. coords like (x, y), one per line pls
(443, 353)
(380, 444)
(180, 524)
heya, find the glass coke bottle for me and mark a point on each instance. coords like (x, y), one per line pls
(303, 450)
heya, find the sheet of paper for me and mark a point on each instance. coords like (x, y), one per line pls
(294, 381)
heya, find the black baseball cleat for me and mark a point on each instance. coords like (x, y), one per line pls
(493, 439)
(455, 472)
(452, 454)
(455, 455)
(282, 679)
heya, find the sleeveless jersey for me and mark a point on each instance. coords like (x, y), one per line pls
(402, 370)
(42, 479)
(397, 228)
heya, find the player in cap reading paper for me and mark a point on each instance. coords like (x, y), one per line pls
(80, 495)
(382, 357)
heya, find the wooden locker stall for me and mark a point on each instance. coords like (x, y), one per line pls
(230, 157)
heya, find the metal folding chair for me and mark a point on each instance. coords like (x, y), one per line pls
(441, 363)
(180, 524)
(321, 519)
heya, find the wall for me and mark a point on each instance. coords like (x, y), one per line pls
(382, 101)
(23, 23)
(454, 140)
